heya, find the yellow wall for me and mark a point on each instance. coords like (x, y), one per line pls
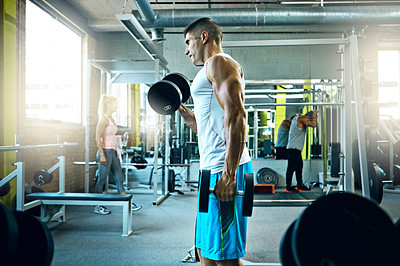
(280, 112)
(9, 88)
(307, 142)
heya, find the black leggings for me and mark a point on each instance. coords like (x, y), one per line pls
(295, 164)
(281, 153)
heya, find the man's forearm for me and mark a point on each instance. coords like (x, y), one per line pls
(188, 117)
(235, 139)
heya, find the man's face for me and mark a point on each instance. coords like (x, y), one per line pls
(194, 49)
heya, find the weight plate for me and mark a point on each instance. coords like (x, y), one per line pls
(248, 198)
(396, 151)
(182, 82)
(343, 229)
(164, 97)
(267, 176)
(356, 164)
(397, 226)
(371, 142)
(34, 241)
(375, 175)
(8, 233)
(171, 180)
(42, 177)
(285, 249)
(396, 174)
(204, 190)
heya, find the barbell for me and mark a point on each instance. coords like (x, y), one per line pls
(166, 96)
(247, 194)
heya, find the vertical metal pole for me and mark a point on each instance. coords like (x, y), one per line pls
(87, 127)
(102, 77)
(255, 134)
(108, 83)
(167, 151)
(155, 162)
(157, 70)
(346, 122)
(359, 115)
(61, 182)
(20, 185)
(156, 139)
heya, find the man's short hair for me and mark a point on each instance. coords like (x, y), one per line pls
(310, 114)
(204, 24)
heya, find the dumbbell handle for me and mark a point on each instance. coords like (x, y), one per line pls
(239, 193)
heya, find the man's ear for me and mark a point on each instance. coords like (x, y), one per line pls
(204, 36)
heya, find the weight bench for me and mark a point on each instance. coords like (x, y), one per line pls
(60, 198)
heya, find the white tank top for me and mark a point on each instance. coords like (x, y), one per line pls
(210, 123)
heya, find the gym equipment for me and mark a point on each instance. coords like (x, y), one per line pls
(4, 189)
(34, 241)
(285, 248)
(267, 175)
(396, 174)
(355, 226)
(247, 194)
(333, 158)
(397, 226)
(85, 199)
(8, 233)
(396, 151)
(171, 180)
(371, 112)
(371, 142)
(366, 86)
(139, 162)
(166, 96)
(42, 177)
(24, 237)
(264, 188)
(376, 175)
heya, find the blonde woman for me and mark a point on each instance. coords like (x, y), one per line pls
(107, 149)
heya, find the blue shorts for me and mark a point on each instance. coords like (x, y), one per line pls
(221, 232)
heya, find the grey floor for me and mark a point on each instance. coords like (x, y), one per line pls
(163, 234)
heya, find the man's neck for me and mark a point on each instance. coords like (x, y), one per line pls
(211, 51)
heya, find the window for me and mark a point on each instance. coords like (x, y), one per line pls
(389, 86)
(120, 91)
(53, 68)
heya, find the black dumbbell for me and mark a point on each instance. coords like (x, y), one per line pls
(247, 194)
(166, 96)
(355, 224)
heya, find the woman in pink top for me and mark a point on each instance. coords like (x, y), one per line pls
(107, 149)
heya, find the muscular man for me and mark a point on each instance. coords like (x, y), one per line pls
(282, 140)
(219, 120)
(295, 145)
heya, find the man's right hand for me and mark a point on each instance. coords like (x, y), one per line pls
(225, 189)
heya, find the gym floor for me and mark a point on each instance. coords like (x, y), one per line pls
(163, 234)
